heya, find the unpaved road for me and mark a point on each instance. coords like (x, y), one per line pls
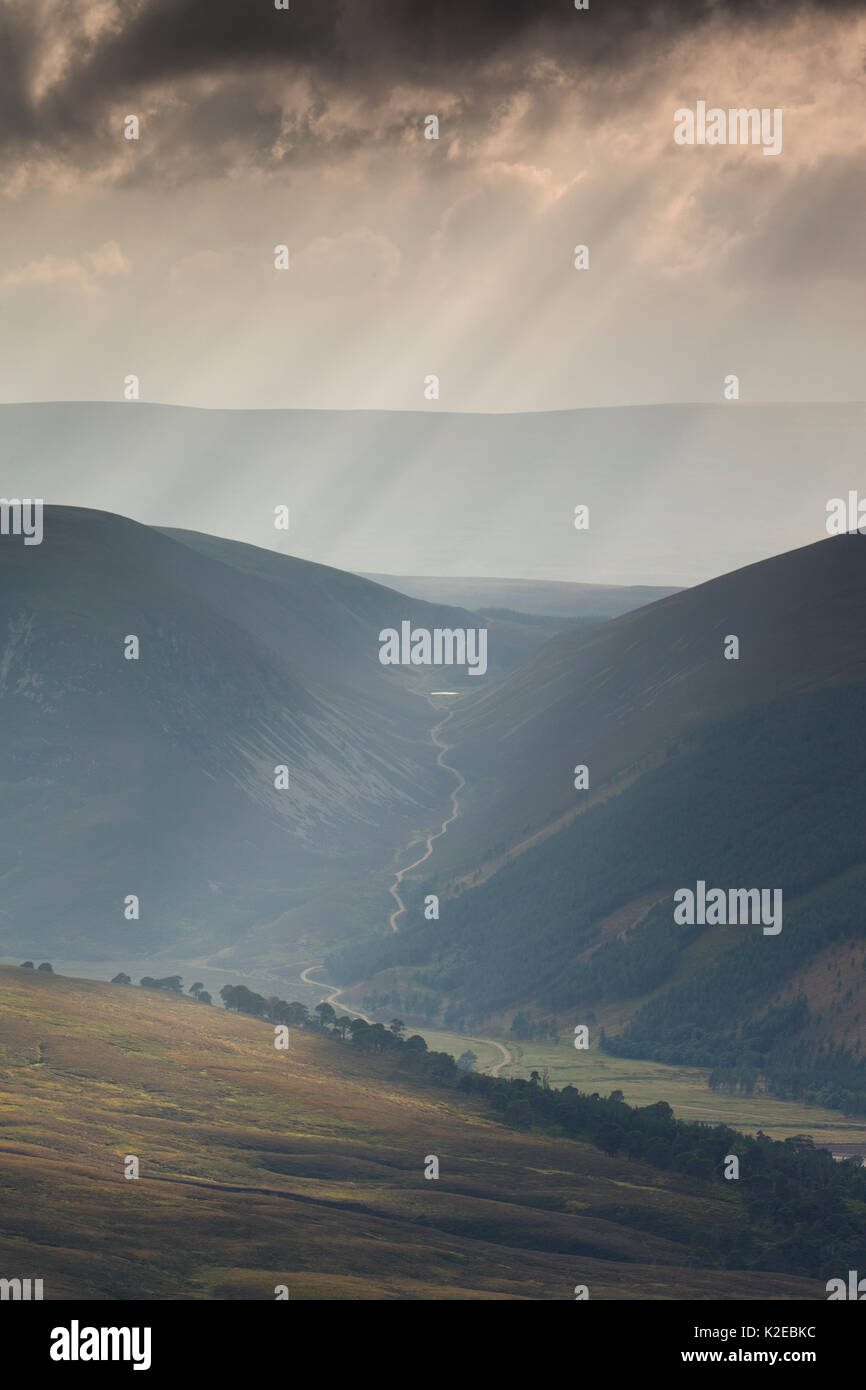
(333, 993)
(506, 1055)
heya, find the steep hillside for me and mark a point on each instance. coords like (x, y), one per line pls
(745, 773)
(618, 697)
(305, 1168)
(155, 776)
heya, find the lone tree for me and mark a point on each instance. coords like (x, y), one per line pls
(203, 997)
(360, 1030)
(327, 1015)
(398, 1027)
(27, 965)
(47, 966)
(196, 989)
(121, 979)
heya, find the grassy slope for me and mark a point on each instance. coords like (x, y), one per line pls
(685, 1089)
(334, 1146)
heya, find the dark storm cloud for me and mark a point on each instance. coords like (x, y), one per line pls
(355, 46)
(16, 44)
(406, 37)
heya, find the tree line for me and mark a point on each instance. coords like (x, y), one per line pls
(793, 1209)
(172, 984)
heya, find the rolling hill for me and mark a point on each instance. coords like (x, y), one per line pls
(553, 599)
(305, 1168)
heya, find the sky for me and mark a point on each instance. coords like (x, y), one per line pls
(411, 257)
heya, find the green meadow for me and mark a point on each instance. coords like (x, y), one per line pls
(684, 1088)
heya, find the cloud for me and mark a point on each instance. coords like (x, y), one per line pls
(410, 256)
(84, 273)
(219, 84)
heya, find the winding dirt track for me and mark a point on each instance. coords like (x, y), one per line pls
(333, 993)
(455, 811)
(506, 1055)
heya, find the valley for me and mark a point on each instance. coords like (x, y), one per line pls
(701, 771)
(556, 905)
(432, 675)
(431, 839)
